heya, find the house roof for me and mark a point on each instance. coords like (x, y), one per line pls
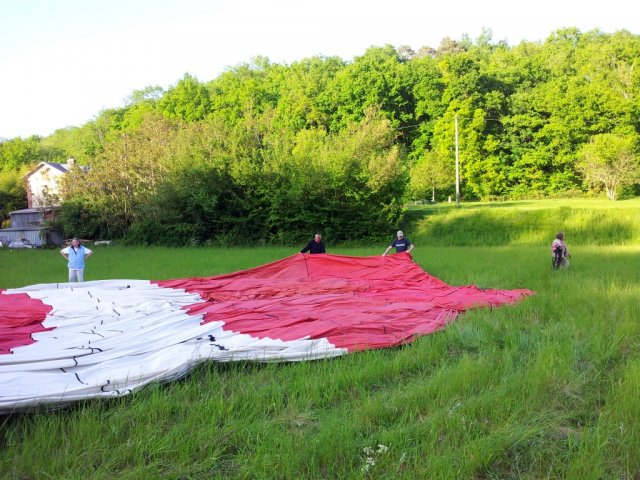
(33, 210)
(22, 229)
(61, 167)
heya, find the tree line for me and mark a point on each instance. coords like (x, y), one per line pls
(270, 152)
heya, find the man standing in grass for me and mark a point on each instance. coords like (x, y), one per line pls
(314, 246)
(401, 244)
(76, 254)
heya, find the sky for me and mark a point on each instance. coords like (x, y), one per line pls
(64, 61)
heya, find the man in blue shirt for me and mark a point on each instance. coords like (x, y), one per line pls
(76, 254)
(314, 246)
(401, 244)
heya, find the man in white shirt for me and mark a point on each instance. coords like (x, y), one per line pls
(76, 255)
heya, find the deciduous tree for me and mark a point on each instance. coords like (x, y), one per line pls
(611, 161)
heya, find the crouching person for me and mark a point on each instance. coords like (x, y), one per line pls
(559, 253)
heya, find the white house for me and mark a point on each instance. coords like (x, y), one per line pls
(43, 184)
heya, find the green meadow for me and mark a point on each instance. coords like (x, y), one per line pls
(548, 388)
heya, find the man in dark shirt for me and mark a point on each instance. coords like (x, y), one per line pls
(401, 244)
(315, 245)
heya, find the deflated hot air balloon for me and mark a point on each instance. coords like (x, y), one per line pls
(65, 342)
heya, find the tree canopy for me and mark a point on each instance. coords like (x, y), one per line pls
(275, 151)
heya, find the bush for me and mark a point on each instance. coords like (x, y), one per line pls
(82, 219)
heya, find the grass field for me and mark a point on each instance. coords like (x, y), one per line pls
(549, 388)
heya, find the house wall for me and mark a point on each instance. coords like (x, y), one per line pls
(42, 185)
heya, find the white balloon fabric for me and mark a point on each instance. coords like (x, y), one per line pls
(68, 342)
(110, 337)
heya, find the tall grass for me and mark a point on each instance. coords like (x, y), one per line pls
(587, 222)
(547, 388)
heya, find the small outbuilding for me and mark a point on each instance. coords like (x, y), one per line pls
(28, 226)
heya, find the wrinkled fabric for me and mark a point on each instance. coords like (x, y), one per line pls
(354, 302)
(66, 342)
(19, 318)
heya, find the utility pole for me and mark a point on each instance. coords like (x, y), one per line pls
(457, 166)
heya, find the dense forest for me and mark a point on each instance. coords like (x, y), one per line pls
(271, 152)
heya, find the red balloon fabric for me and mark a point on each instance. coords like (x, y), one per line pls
(356, 303)
(20, 316)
